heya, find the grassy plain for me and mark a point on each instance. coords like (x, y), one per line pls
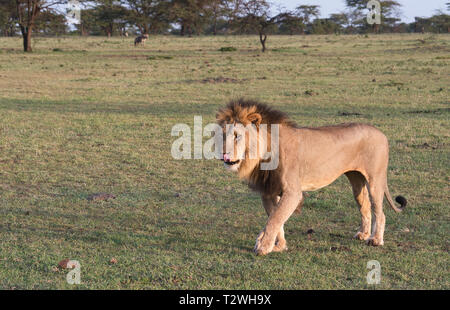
(85, 115)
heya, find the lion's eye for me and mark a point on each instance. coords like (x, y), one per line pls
(238, 137)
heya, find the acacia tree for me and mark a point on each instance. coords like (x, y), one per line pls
(148, 15)
(255, 16)
(51, 23)
(440, 22)
(109, 14)
(340, 19)
(232, 11)
(290, 22)
(390, 12)
(306, 12)
(216, 10)
(27, 13)
(191, 15)
(88, 23)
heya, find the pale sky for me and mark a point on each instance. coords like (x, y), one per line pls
(410, 8)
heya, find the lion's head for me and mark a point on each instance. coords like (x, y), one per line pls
(246, 127)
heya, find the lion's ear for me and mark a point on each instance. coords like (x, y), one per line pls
(255, 118)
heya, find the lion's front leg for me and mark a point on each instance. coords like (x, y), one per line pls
(265, 243)
(270, 203)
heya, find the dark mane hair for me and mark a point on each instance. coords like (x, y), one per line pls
(238, 111)
(265, 181)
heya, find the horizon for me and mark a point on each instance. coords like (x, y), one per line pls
(409, 8)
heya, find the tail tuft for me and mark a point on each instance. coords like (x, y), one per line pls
(402, 201)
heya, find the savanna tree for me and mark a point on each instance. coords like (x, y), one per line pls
(217, 10)
(254, 16)
(307, 12)
(27, 12)
(441, 22)
(109, 15)
(191, 15)
(390, 12)
(341, 20)
(148, 15)
(88, 22)
(291, 23)
(51, 23)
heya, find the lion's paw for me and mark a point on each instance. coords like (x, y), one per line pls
(361, 236)
(262, 247)
(374, 241)
(280, 247)
(262, 250)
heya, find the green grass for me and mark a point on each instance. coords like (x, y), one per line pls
(96, 116)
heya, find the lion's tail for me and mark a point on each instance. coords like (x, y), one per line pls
(400, 199)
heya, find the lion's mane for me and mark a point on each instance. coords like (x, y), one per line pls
(242, 111)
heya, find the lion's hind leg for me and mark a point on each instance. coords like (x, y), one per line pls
(376, 188)
(361, 194)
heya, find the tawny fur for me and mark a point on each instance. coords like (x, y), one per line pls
(309, 159)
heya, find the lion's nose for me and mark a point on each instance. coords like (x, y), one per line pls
(226, 157)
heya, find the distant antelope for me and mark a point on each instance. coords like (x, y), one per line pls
(141, 39)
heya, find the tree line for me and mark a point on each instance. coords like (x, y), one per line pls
(202, 17)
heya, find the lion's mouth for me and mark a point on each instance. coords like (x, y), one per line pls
(231, 163)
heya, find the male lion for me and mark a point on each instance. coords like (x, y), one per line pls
(308, 159)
